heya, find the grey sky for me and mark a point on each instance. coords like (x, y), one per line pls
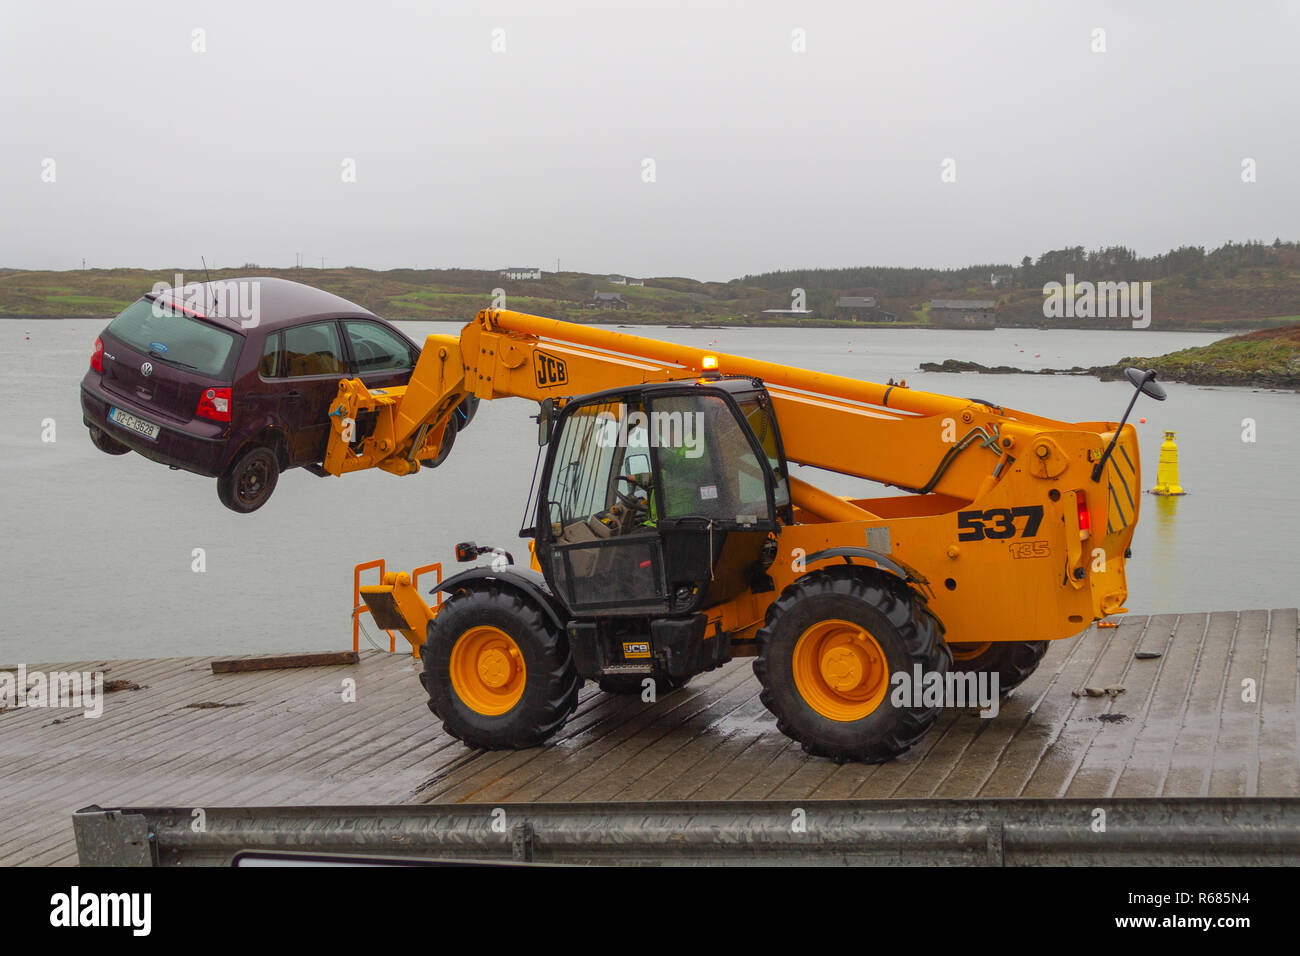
(765, 158)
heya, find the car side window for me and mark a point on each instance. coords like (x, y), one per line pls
(270, 364)
(376, 349)
(312, 350)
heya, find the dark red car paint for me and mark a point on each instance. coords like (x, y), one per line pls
(289, 414)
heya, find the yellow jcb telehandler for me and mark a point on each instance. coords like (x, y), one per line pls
(669, 537)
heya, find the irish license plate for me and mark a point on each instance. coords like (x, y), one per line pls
(138, 425)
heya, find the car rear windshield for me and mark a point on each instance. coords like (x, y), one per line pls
(177, 339)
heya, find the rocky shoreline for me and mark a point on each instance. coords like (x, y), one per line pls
(1203, 374)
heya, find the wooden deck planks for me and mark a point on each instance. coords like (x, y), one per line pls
(1182, 728)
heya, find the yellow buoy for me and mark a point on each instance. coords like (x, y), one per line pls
(1167, 469)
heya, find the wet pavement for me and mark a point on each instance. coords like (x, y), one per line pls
(1217, 713)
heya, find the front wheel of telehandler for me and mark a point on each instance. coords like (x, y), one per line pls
(1012, 661)
(498, 671)
(826, 655)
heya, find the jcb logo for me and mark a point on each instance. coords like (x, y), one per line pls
(550, 370)
(636, 649)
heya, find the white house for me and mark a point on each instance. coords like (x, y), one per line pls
(521, 272)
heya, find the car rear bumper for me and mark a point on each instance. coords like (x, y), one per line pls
(175, 446)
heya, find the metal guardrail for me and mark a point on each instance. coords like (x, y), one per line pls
(1148, 832)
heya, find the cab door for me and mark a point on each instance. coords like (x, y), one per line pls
(656, 501)
(596, 542)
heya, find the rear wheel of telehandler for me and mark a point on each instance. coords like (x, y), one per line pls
(498, 671)
(1012, 661)
(825, 657)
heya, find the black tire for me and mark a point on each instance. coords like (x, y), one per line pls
(905, 631)
(551, 682)
(249, 481)
(631, 684)
(448, 439)
(1012, 661)
(466, 411)
(106, 442)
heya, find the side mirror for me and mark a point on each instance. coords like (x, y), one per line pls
(1145, 382)
(545, 416)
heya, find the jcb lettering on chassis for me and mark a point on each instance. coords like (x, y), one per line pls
(550, 371)
(998, 523)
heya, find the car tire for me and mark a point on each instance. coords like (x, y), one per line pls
(448, 439)
(106, 442)
(466, 411)
(249, 481)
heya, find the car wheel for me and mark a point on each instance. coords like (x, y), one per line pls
(466, 411)
(106, 442)
(248, 483)
(448, 439)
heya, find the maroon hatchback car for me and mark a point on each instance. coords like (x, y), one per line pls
(233, 379)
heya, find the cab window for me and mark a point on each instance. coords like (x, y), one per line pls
(708, 468)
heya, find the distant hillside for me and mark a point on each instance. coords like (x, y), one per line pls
(1269, 358)
(1236, 286)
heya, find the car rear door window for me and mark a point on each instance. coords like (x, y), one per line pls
(312, 350)
(376, 349)
(270, 366)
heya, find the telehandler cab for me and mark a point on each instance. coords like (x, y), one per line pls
(669, 536)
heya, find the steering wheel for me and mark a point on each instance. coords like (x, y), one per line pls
(630, 501)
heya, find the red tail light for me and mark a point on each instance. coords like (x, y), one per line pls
(97, 357)
(214, 403)
(1085, 520)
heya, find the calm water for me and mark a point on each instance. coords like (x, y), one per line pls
(98, 550)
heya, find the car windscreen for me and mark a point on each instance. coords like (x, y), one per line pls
(177, 339)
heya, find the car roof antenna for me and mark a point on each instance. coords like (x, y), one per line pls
(209, 278)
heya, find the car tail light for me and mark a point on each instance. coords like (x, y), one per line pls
(214, 403)
(1085, 520)
(97, 357)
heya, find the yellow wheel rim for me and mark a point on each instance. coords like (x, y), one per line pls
(487, 670)
(968, 652)
(840, 670)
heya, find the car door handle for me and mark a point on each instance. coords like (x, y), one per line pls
(294, 393)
